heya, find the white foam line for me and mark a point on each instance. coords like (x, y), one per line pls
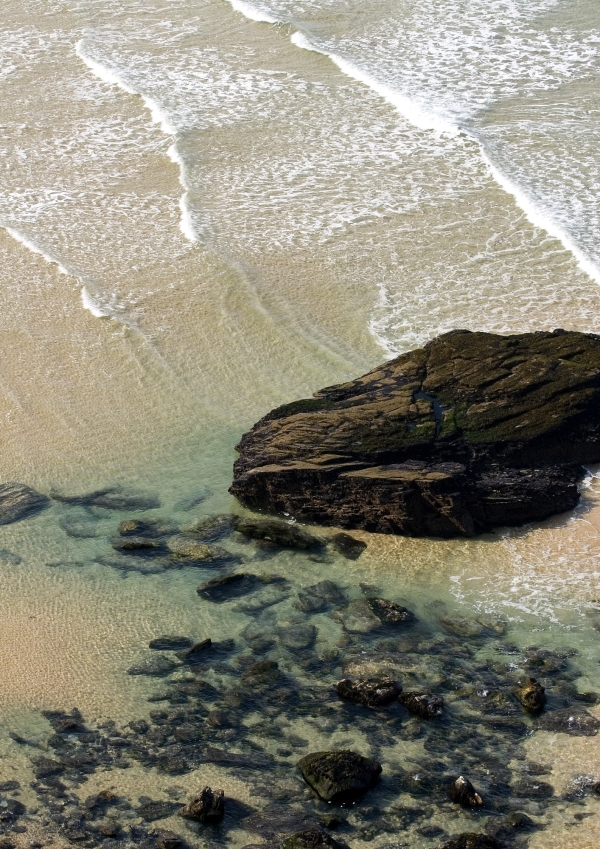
(88, 301)
(160, 117)
(19, 237)
(253, 13)
(91, 304)
(540, 220)
(429, 121)
(410, 110)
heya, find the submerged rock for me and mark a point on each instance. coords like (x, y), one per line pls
(296, 635)
(112, 498)
(168, 839)
(137, 545)
(470, 841)
(278, 532)
(156, 666)
(189, 552)
(319, 596)
(313, 838)
(357, 617)
(463, 793)
(339, 777)
(460, 626)
(18, 501)
(207, 807)
(390, 613)
(348, 546)
(531, 695)
(425, 705)
(152, 810)
(226, 587)
(210, 528)
(371, 694)
(470, 432)
(576, 722)
(168, 643)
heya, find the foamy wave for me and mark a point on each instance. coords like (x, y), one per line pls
(410, 110)
(91, 304)
(539, 219)
(253, 13)
(159, 116)
(36, 249)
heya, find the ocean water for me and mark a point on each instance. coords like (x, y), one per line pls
(211, 208)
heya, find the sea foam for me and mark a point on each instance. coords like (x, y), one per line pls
(36, 249)
(159, 116)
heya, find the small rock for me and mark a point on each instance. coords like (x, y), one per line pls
(129, 563)
(425, 705)
(390, 613)
(9, 557)
(463, 793)
(211, 528)
(194, 553)
(260, 674)
(470, 841)
(113, 498)
(348, 546)
(207, 807)
(140, 726)
(197, 653)
(226, 587)
(461, 627)
(18, 501)
(357, 617)
(168, 840)
(79, 526)
(531, 695)
(339, 777)
(157, 666)
(278, 532)
(369, 693)
(168, 643)
(313, 838)
(576, 722)
(319, 596)
(528, 789)
(296, 636)
(136, 544)
(137, 527)
(151, 810)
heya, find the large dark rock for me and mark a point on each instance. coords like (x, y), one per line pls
(18, 501)
(339, 777)
(472, 431)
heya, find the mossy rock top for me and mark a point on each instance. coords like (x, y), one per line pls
(480, 400)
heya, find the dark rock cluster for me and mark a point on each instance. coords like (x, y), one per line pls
(471, 432)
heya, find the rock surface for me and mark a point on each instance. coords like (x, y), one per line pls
(339, 777)
(425, 705)
(207, 807)
(473, 431)
(531, 695)
(371, 694)
(463, 793)
(18, 501)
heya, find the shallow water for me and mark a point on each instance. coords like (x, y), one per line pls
(211, 209)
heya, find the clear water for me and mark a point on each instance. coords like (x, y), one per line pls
(210, 209)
